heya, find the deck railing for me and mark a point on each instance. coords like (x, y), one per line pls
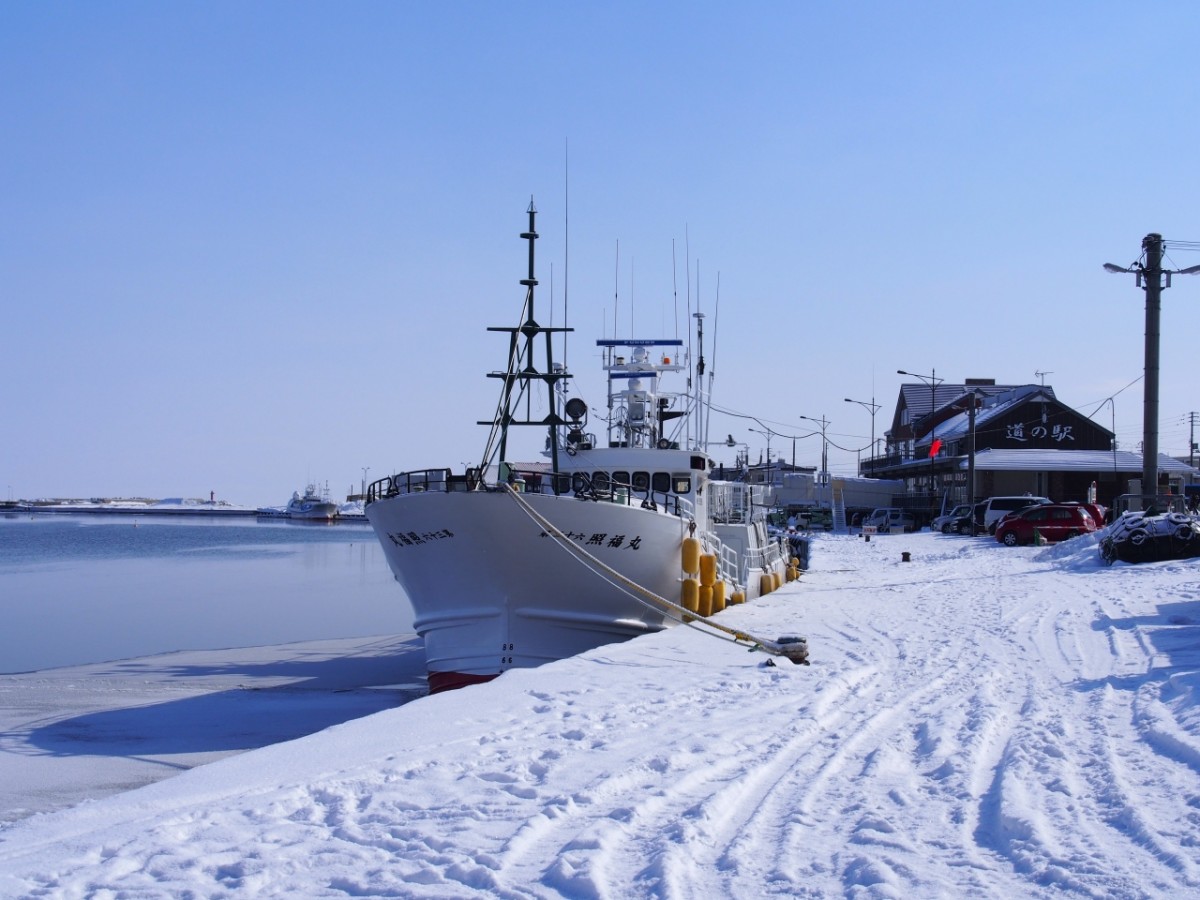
(581, 485)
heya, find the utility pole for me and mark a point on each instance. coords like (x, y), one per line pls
(1150, 279)
(1152, 245)
(933, 381)
(971, 451)
(1192, 439)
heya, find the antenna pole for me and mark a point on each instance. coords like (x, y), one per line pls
(699, 396)
(674, 287)
(566, 242)
(712, 372)
(616, 289)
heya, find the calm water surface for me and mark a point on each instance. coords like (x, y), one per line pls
(91, 588)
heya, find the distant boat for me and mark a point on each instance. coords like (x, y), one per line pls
(514, 565)
(313, 505)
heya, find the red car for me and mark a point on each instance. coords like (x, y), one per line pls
(1052, 521)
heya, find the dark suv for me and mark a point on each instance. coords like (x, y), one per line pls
(970, 524)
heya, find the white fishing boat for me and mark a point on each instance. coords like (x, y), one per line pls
(315, 504)
(509, 565)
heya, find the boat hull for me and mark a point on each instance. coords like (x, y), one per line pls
(314, 511)
(491, 590)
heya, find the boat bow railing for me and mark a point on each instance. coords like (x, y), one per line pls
(420, 482)
(581, 485)
(601, 489)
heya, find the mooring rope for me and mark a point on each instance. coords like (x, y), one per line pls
(794, 649)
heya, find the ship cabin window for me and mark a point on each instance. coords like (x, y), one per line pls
(562, 484)
(641, 481)
(682, 484)
(662, 482)
(620, 478)
(578, 482)
(600, 481)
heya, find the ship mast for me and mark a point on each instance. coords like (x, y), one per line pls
(521, 350)
(700, 401)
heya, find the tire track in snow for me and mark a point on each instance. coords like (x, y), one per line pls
(609, 840)
(1050, 810)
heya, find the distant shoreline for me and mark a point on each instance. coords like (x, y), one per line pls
(127, 508)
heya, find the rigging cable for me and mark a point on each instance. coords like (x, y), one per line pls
(499, 421)
(795, 649)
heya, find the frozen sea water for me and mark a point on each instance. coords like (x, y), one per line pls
(76, 590)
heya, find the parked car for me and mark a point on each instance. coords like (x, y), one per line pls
(996, 508)
(1095, 509)
(946, 524)
(1049, 521)
(890, 518)
(1099, 513)
(970, 523)
(814, 519)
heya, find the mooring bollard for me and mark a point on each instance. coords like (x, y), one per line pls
(905, 556)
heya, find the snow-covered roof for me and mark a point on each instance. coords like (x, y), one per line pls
(996, 405)
(919, 400)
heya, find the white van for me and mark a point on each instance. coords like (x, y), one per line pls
(996, 508)
(890, 519)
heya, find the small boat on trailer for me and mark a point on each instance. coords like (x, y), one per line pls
(511, 566)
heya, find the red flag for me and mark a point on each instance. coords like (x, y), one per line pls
(935, 447)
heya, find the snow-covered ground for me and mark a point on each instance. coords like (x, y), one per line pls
(982, 720)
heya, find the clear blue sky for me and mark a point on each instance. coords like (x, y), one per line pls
(247, 245)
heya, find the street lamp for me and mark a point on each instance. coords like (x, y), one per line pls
(768, 432)
(933, 381)
(1149, 278)
(873, 408)
(824, 473)
(973, 402)
(730, 442)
